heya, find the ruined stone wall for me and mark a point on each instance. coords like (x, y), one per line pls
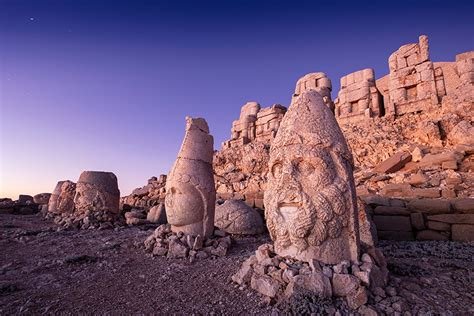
(422, 219)
(319, 82)
(358, 98)
(256, 124)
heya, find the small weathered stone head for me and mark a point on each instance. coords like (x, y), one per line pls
(62, 198)
(310, 204)
(97, 191)
(190, 192)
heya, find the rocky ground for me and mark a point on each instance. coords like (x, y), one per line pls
(46, 270)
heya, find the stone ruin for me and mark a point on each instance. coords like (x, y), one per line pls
(190, 200)
(25, 205)
(311, 213)
(255, 124)
(319, 82)
(358, 98)
(146, 197)
(92, 202)
(414, 82)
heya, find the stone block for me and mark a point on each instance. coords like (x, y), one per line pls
(417, 221)
(430, 206)
(397, 190)
(464, 205)
(391, 210)
(427, 193)
(394, 163)
(395, 235)
(392, 223)
(343, 284)
(440, 226)
(450, 164)
(430, 235)
(462, 232)
(453, 218)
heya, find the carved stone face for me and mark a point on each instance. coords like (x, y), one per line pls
(309, 197)
(303, 181)
(184, 204)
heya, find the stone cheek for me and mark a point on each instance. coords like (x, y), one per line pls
(184, 204)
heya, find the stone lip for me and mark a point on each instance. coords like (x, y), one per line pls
(105, 180)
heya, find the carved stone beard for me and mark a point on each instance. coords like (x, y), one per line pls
(307, 221)
(305, 210)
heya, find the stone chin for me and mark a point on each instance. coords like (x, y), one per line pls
(184, 205)
(331, 251)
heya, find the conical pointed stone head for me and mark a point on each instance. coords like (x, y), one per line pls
(190, 192)
(310, 201)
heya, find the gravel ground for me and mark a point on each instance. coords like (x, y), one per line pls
(44, 270)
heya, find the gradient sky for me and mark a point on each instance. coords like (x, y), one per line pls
(106, 85)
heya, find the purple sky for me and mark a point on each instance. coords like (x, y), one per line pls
(106, 85)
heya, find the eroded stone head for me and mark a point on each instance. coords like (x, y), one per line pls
(190, 192)
(97, 191)
(62, 198)
(310, 205)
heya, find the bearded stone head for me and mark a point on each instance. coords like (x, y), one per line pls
(310, 205)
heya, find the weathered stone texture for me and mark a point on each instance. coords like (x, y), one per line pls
(255, 124)
(236, 217)
(358, 98)
(414, 84)
(190, 190)
(317, 81)
(97, 191)
(62, 198)
(310, 202)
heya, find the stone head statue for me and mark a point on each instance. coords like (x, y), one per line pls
(97, 191)
(62, 198)
(190, 192)
(310, 200)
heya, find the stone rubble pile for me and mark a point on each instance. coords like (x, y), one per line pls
(280, 278)
(147, 196)
(165, 242)
(25, 205)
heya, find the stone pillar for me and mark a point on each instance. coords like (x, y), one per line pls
(190, 191)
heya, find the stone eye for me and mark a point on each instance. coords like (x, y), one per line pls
(305, 168)
(276, 169)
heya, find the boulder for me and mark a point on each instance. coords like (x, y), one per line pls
(265, 285)
(42, 198)
(236, 217)
(157, 214)
(316, 283)
(23, 199)
(343, 284)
